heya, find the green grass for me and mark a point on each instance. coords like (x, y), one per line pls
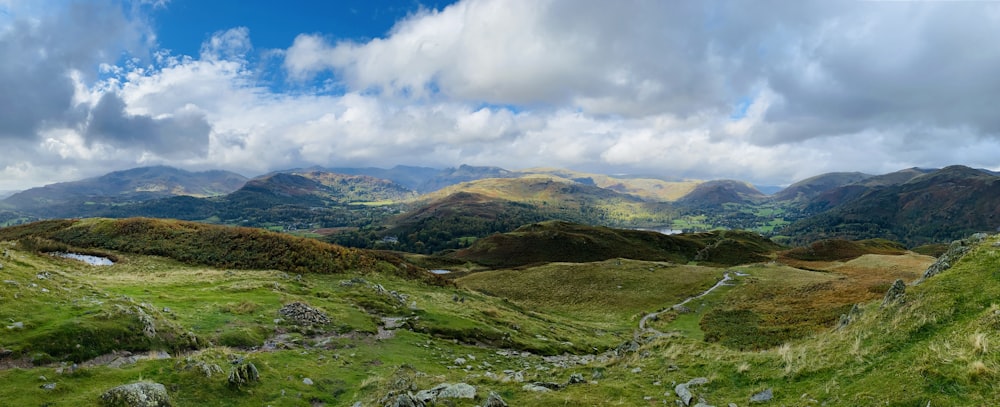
(938, 345)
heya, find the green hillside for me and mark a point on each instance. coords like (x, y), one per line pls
(557, 241)
(370, 334)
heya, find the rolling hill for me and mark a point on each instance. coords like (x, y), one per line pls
(938, 206)
(80, 198)
(558, 241)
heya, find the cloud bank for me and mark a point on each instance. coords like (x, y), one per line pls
(768, 92)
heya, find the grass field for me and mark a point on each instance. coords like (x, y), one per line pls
(493, 328)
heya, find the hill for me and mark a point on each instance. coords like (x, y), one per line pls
(725, 335)
(454, 216)
(78, 198)
(811, 187)
(650, 189)
(557, 241)
(938, 206)
(717, 193)
(198, 243)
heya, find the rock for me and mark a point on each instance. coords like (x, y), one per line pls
(48, 386)
(681, 309)
(895, 293)
(460, 361)
(303, 314)
(846, 319)
(627, 347)
(494, 400)
(243, 374)
(683, 393)
(762, 397)
(576, 378)
(534, 387)
(637, 370)
(407, 400)
(701, 403)
(448, 391)
(307, 381)
(43, 275)
(140, 394)
(955, 252)
(16, 325)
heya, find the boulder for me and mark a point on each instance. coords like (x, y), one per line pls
(407, 400)
(448, 391)
(140, 394)
(494, 400)
(762, 397)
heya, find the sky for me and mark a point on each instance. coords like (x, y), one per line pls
(769, 92)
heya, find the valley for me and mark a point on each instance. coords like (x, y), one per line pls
(553, 293)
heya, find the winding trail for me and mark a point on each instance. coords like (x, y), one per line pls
(645, 318)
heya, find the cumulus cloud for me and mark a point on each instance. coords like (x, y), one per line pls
(769, 92)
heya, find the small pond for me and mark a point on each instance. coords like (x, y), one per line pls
(439, 271)
(86, 258)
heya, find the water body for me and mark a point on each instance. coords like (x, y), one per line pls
(663, 230)
(91, 260)
(439, 271)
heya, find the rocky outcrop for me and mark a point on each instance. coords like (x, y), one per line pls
(243, 374)
(304, 315)
(955, 252)
(141, 394)
(895, 294)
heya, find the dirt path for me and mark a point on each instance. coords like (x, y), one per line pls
(645, 318)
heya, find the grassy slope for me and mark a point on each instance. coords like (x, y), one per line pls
(567, 242)
(935, 346)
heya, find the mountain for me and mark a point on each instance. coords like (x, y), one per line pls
(464, 173)
(558, 241)
(66, 199)
(320, 188)
(941, 205)
(716, 193)
(650, 189)
(811, 187)
(299, 199)
(832, 197)
(410, 177)
(452, 217)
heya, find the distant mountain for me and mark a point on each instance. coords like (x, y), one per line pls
(716, 193)
(66, 199)
(832, 197)
(650, 189)
(942, 205)
(452, 217)
(408, 176)
(811, 187)
(464, 173)
(424, 179)
(320, 188)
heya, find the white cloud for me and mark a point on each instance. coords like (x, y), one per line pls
(696, 89)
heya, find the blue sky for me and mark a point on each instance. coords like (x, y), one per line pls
(679, 89)
(182, 25)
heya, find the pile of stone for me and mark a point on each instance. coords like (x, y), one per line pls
(303, 315)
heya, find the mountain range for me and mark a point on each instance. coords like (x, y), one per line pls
(428, 210)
